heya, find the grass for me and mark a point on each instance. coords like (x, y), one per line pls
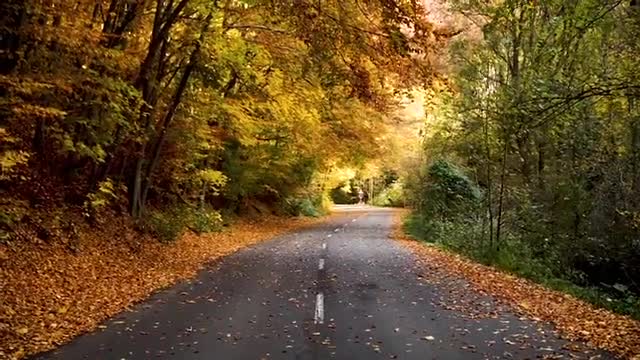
(516, 259)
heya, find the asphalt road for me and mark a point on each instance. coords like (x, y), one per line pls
(339, 290)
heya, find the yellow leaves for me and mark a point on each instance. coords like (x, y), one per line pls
(30, 111)
(25, 86)
(104, 195)
(213, 178)
(12, 158)
(525, 305)
(22, 331)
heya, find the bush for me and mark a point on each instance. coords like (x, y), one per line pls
(391, 196)
(12, 211)
(205, 220)
(169, 224)
(447, 192)
(166, 225)
(518, 257)
(307, 205)
(342, 195)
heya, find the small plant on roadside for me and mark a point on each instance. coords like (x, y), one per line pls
(391, 196)
(166, 225)
(205, 220)
(313, 205)
(97, 201)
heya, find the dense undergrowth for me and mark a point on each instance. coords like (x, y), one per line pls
(451, 216)
(531, 150)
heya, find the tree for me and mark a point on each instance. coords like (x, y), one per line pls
(543, 107)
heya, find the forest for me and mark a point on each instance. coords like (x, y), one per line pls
(531, 154)
(159, 118)
(168, 110)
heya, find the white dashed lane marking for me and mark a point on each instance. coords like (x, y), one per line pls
(321, 264)
(319, 316)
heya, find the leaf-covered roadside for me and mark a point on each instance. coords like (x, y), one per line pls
(575, 319)
(51, 294)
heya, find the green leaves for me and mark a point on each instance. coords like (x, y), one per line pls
(544, 119)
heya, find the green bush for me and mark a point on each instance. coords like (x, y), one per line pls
(516, 256)
(447, 192)
(418, 226)
(205, 220)
(166, 225)
(391, 196)
(303, 206)
(12, 211)
(313, 205)
(341, 195)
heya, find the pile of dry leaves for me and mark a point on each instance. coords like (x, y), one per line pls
(51, 294)
(575, 319)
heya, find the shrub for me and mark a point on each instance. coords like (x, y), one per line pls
(205, 220)
(343, 195)
(448, 192)
(166, 225)
(12, 211)
(313, 205)
(392, 196)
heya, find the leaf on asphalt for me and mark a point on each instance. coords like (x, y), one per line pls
(574, 318)
(46, 286)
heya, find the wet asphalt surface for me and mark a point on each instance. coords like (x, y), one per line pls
(262, 303)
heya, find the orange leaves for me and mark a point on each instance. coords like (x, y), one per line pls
(574, 318)
(50, 294)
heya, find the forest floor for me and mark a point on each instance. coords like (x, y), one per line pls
(54, 291)
(575, 319)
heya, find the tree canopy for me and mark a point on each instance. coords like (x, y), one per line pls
(138, 102)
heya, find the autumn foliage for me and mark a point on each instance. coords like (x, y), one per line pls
(125, 104)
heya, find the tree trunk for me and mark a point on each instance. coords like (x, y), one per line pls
(489, 179)
(13, 16)
(501, 196)
(122, 16)
(177, 99)
(635, 151)
(147, 82)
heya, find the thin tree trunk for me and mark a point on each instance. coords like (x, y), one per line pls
(166, 122)
(489, 180)
(136, 204)
(13, 16)
(501, 196)
(121, 17)
(635, 150)
(164, 19)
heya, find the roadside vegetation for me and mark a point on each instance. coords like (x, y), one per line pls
(531, 149)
